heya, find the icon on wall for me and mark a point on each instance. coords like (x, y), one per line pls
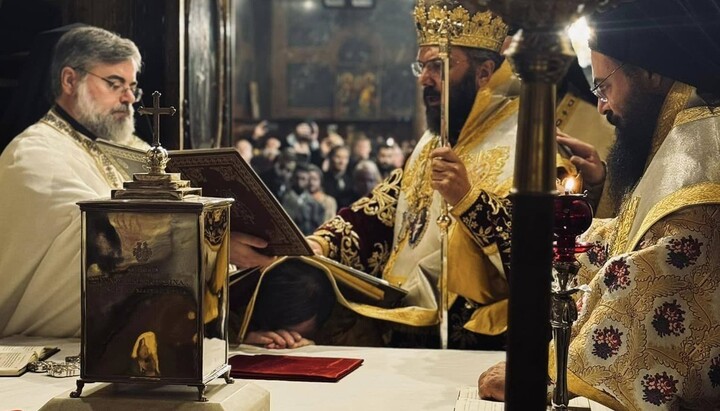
(357, 94)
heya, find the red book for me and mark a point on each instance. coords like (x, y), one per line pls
(292, 368)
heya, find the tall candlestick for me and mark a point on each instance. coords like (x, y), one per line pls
(573, 215)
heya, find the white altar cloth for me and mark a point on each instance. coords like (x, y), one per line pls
(389, 379)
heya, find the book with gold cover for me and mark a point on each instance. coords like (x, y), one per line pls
(223, 173)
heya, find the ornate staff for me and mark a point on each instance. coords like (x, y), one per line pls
(446, 29)
(443, 221)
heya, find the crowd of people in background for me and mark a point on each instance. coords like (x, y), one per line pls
(313, 176)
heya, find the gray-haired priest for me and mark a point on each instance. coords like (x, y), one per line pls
(393, 233)
(52, 165)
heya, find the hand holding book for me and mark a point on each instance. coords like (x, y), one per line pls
(262, 229)
(245, 251)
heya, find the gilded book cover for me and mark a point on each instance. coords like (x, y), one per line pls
(223, 173)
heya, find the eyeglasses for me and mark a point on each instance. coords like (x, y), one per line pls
(116, 86)
(597, 89)
(434, 66)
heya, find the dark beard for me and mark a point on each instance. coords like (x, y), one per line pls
(633, 140)
(462, 98)
(385, 169)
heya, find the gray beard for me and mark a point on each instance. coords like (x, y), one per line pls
(103, 125)
(116, 131)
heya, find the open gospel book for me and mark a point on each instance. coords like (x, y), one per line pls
(222, 172)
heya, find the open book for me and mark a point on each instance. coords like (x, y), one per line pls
(222, 172)
(14, 359)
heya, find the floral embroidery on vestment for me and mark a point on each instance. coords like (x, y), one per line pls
(383, 201)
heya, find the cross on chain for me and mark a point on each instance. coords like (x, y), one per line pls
(156, 111)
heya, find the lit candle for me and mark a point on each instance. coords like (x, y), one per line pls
(569, 184)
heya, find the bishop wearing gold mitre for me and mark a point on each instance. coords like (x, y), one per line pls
(392, 233)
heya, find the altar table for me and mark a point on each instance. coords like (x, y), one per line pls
(389, 379)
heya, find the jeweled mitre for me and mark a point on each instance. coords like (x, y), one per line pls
(480, 30)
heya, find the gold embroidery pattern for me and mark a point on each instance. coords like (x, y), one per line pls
(694, 114)
(620, 236)
(675, 101)
(418, 194)
(379, 255)
(476, 167)
(653, 315)
(101, 161)
(698, 194)
(349, 241)
(485, 168)
(383, 201)
(418, 187)
(349, 255)
(489, 220)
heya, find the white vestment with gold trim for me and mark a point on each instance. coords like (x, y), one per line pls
(44, 171)
(648, 333)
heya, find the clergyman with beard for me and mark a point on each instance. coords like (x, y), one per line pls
(649, 325)
(52, 165)
(393, 233)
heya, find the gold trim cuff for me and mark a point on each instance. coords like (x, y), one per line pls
(467, 201)
(324, 244)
